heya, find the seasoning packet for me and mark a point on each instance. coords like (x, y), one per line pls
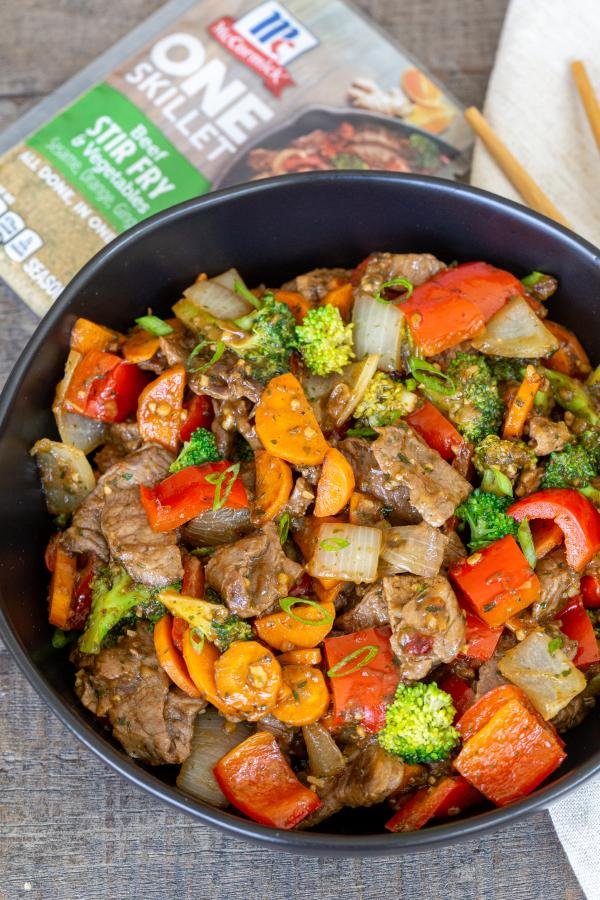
(201, 96)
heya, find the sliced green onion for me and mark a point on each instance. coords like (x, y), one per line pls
(202, 551)
(431, 377)
(220, 348)
(525, 539)
(218, 479)
(199, 346)
(62, 638)
(496, 482)
(241, 289)
(334, 544)
(370, 651)
(395, 282)
(555, 644)
(533, 278)
(369, 433)
(284, 528)
(197, 640)
(154, 325)
(286, 604)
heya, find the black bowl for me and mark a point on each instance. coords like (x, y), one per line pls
(270, 230)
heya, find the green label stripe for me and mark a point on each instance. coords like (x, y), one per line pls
(117, 158)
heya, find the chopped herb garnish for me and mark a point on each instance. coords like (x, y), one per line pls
(284, 527)
(533, 279)
(220, 348)
(362, 432)
(154, 325)
(241, 289)
(431, 377)
(488, 607)
(332, 544)
(555, 644)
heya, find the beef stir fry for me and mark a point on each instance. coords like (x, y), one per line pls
(335, 544)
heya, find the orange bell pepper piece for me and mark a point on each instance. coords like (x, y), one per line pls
(87, 335)
(297, 302)
(160, 408)
(62, 585)
(341, 297)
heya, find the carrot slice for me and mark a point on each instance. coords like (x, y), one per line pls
(87, 335)
(248, 679)
(308, 657)
(522, 404)
(336, 484)
(296, 301)
(274, 484)
(308, 699)
(341, 297)
(286, 424)
(200, 659)
(284, 632)
(61, 587)
(170, 658)
(160, 408)
(327, 593)
(570, 358)
(140, 346)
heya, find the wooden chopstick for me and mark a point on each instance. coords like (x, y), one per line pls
(531, 193)
(588, 97)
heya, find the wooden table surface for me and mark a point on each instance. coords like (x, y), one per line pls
(70, 829)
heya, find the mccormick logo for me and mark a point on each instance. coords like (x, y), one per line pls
(266, 39)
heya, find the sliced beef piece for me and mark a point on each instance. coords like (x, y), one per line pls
(368, 511)
(529, 481)
(454, 550)
(488, 675)
(573, 713)
(370, 479)
(370, 611)
(231, 417)
(145, 466)
(149, 557)
(547, 436)
(316, 283)
(311, 473)
(558, 583)
(428, 627)
(177, 346)
(417, 267)
(217, 526)
(434, 488)
(284, 734)
(150, 717)
(122, 438)
(369, 778)
(301, 498)
(252, 574)
(227, 379)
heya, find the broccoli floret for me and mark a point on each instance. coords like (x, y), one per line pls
(570, 467)
(114, 597)
(590, 439)
(510, 457)
(505, 368)
(270, 341)
(485, 514)
(572, 395)
(232, 629)
(475, 406)
(324, 341)
(418, 724)
(385, 401)
(201, 448)
(211, 620)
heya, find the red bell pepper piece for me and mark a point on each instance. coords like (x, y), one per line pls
(256, 779)
(436, 431)
(191, 586)
(183, 495)
(364, 694)
(449, 797)
(576, 624)
(456, 303)
(104, 387)
(461, 692)
(481, 639)
(575, 515)
(200, 414)
(547, 536)
(590, 591)
(497, 582)
(511, 754)
(82, 595)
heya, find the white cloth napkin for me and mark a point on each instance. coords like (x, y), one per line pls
(533, 105)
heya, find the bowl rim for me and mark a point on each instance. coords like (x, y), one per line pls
(300, 842)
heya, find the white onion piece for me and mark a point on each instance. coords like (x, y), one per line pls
(210, 742)
(65, 473)
(357, 377)
(79, 431)
(219, 301)
(346, 552)
(228, 278)
(515, 330)
(324, 756)
(414, 548)
(378, 328)
(549, 678)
